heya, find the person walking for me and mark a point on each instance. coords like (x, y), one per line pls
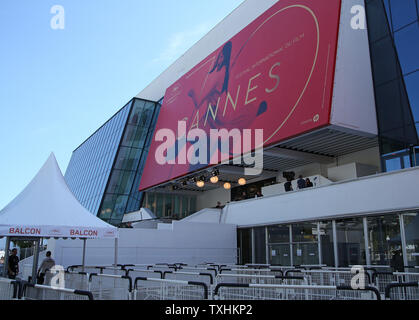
(46, 265)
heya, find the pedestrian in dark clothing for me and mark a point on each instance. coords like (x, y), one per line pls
(397, 262)
(13, 266)
(301, 183)
(259, 194)
(309, 184)
(288, 186)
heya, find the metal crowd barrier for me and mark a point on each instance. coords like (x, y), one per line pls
(383, 279)
(163, 289)
(72, 280)
(205, 277)
(258, 272)
(136, 273)
(407, 277)
(110, 287)
(114, 271)
(402, 291)
(9, 289)
(327, 277)
(211, 270)
(40, 292)
(233, 291)
(259, 279)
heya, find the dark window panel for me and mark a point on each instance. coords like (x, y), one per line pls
(403, 12)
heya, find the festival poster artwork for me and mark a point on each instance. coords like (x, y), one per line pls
(276, 74)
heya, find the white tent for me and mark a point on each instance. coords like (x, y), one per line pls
(47, 208)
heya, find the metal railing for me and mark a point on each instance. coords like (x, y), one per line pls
(40, 292)
(259, 279)
(402, 291)
(110, 287)
(163, 289)
(9, 289)
(234, 291)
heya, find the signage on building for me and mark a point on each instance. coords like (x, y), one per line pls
(276, 75)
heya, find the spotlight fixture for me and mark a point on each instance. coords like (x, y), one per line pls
(227, 186)
(242, 181)
(214, 179)
(200, 184)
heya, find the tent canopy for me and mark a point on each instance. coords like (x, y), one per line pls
(47, 208)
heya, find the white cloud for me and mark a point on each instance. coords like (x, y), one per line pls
(180, 42)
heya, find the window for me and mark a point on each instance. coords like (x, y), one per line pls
(260, 245)
(326, 242)
(305, 244)
(383, 238)
(411, 230)
(351, 242)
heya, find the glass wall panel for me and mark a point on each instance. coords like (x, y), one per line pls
(91, 163)
(384, 238)
(403, 12)
(411, 229)
(128, 166)
(260, 245)
(278, 234)
(245, 245)
(326, 241)
(393, 29)
(279, 254)
(305, 244)
(351, 242)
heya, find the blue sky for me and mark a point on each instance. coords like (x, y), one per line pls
(58, 86)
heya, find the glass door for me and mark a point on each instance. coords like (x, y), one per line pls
(279, 254)
(305, 253)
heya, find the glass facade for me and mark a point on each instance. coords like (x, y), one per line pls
(121, 194)
(105, 171)
(351, 242)
(393, 28)
(411, 234)
(167, 205)
(373, 240)
(91, 163)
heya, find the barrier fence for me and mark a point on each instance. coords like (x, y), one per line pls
(40, 292)
(204, 277)
(163, 289)
(136, 273)
(233, 291)
(402, 291)
(328, 277)
(110, 287)
(8, 289)
(256, 272)
(182, 282)
(259, 279)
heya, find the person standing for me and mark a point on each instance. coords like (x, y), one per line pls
(13, 265)
(397, 262)
(301, 183)
(309, 184)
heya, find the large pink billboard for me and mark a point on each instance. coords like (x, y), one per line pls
(276, 75)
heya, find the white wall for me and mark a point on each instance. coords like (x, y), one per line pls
(190, 243)
(209, 199)
(395, 191)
